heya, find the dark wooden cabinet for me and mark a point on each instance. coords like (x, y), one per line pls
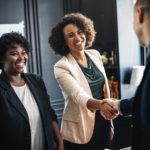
(104, 15)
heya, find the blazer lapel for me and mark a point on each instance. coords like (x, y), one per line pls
(98, 63)
(11, 96)
(37, 96)
(77, 72)
(32, 88)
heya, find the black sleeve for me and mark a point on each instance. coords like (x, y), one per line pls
(46, 95)
(52, 111)
(126, 106)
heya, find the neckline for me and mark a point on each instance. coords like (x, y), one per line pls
(23, 86)
(88, 62)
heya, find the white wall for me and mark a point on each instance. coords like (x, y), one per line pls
(129, 49)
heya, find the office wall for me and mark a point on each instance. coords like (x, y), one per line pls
(11, 11)
(129, 49)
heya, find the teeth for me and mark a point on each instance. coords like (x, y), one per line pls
(20, 64)
(78, 43)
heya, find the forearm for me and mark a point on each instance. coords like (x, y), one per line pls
(93, 104)
(126, 106)
(107, 111)
(56, 133)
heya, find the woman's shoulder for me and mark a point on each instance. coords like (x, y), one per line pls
(32, 76)
(92, 51)
(60, 61)
(34, 79)
(65, 61)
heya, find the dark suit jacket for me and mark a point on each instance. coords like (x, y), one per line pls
(126, 106)
(14, 123)
(141, 113)
(139, 107)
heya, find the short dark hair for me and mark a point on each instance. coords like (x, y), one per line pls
(57, 39)
(144, 3)
(7, 42)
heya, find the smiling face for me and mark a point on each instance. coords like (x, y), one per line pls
(15, 60)
(75, 38)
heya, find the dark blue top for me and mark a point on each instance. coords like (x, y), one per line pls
(95, 79)
(101, 133)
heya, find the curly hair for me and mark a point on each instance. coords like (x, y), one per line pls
(57, 39)
(7, 42)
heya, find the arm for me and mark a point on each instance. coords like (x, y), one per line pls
(57, 136)
(55, 128)
(75, 92)
(56, 131)
(126, 106)
(123, 106)
(104, 108)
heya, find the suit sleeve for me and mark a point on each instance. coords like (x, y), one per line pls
(126, 106)
(52, 111)
(53, 114)
(145, 105)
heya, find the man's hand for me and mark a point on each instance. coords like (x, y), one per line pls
(107, 111)
(115, 103)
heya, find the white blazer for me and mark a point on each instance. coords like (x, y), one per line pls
(78, 121)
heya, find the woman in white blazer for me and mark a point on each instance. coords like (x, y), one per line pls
(82, 79)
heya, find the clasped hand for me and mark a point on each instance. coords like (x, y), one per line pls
(109, 108)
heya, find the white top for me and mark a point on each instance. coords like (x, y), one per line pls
(28, 101)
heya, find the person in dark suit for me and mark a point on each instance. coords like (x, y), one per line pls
(141, 103)
(124, 106)
(27, 121)
(138, 106)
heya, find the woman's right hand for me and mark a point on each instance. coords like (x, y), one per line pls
(107, 111)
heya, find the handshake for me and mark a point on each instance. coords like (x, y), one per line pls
(110, 108)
